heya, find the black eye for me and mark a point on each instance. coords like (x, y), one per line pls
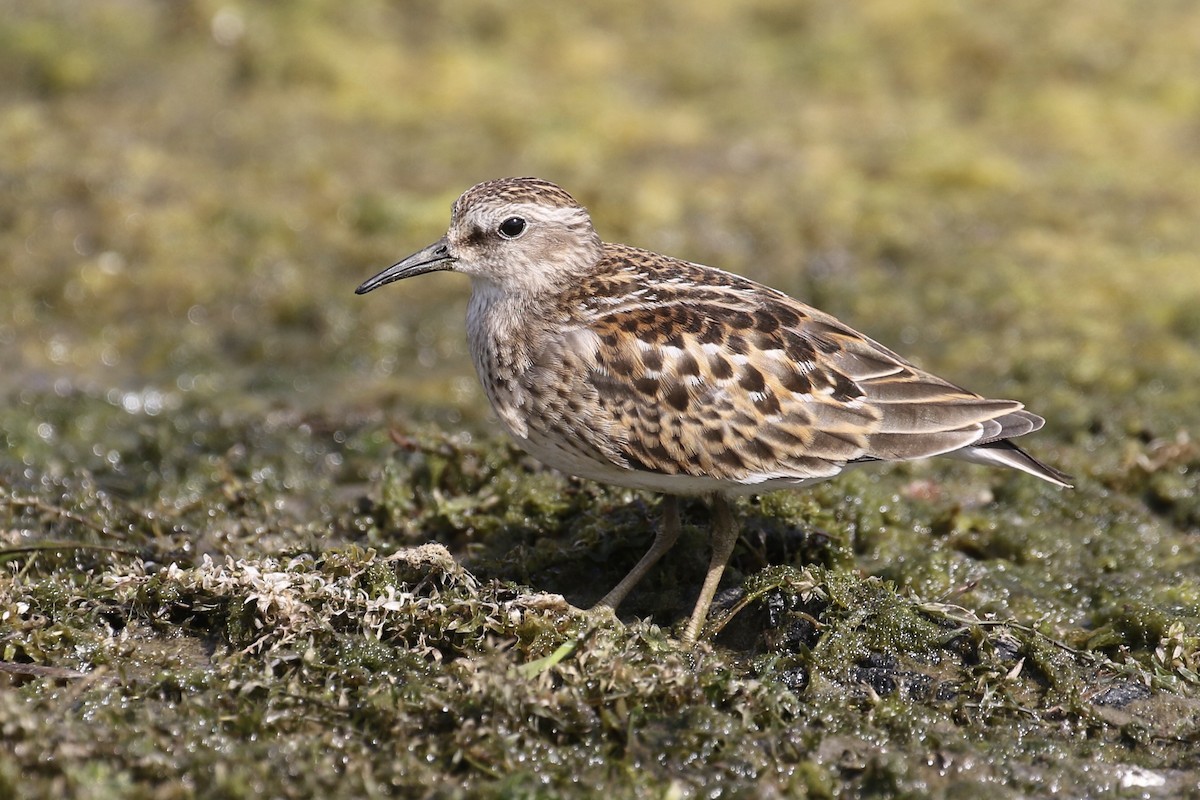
(511, 228)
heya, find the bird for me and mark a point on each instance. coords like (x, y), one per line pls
(624, 366)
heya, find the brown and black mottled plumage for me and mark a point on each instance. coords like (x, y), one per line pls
(633, 368)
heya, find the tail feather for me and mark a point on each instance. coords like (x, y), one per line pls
(1004, 453)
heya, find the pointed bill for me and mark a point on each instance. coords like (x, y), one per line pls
(431, 259)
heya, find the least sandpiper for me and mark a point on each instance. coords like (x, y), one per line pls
(637, 369)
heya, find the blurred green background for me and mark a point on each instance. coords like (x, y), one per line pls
(192, 190)
(1007, 193)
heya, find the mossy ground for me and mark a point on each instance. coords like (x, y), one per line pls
(260, 538)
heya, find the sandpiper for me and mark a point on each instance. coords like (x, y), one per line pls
(637, 369)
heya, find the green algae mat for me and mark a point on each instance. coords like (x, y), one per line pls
(261, 538)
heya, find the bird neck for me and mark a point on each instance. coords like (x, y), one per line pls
(497, 313)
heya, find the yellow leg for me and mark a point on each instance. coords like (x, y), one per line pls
(668, 532)
(724, 537)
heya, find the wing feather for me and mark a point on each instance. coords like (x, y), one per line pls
(734, 381)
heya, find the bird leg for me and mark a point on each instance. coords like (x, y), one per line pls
(668, 532)
(724, 537)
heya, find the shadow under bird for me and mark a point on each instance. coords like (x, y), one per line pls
(637, 369)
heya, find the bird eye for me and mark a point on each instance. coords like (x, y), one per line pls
(511, 228)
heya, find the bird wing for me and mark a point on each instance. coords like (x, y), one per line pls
(748, 385)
